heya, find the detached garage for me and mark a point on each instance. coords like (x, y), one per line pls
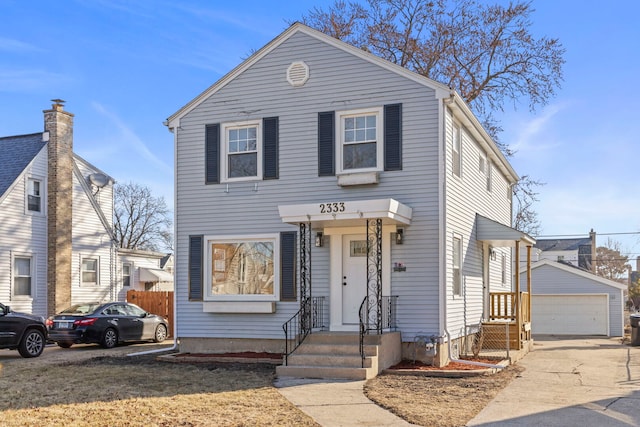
(570, 301)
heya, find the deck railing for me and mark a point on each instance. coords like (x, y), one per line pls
(503, 306)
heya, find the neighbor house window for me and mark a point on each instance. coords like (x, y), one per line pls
(242, 155)
(489, 172)
(34, 195)
(360, 140)
(457, 150)
(126, 274)
(22, 276)
(89, 271)
(457, 266)
(242, 268)
(503, 269)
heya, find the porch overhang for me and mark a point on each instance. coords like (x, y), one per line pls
(347, 213)
(500, 235)
(154, 275)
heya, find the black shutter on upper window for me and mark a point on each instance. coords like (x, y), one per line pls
(212, 154)
(270, 147)
(393, 137)
(195, 268)
(326, 144)
(288, 266)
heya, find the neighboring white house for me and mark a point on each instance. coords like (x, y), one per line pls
(316, 178)
(145, 271)
(56, 242)
(568, 300)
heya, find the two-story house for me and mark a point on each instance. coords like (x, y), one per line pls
(320, 187)
(56, 243)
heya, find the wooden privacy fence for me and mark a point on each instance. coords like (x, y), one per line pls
(156, 302)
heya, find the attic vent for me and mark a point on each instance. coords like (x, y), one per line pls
(297, 73)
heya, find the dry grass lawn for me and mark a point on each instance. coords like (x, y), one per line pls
(115, 390)
(437, 402)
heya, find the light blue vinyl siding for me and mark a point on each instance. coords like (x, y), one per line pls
(338, 81)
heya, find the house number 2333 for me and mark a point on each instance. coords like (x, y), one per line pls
(332, 207)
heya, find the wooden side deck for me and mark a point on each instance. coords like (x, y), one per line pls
(510, 316)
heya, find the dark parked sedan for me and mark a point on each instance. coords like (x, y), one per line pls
(106, 324)
(22, 331)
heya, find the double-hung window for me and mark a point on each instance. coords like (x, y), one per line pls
(34, 195)
(242, 151)
(22, 276)
(360, 136)
(126, 274)
(89, 271)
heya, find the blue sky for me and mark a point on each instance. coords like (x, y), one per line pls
(125, 66)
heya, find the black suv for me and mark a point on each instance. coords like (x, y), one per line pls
(22, 331)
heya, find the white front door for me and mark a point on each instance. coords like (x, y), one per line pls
(354, 276)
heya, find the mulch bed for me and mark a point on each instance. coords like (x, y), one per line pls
(451, 366)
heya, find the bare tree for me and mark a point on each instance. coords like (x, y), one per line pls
(141, 221)
(485, 52)
(610, 263)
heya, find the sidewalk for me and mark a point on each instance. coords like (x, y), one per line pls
(335, 403)
(579, 381)
(584, 381)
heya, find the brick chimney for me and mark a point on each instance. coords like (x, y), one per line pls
(59, 125)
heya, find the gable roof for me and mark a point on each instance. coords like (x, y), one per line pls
(16, 152)
(562, 244)
(578, 272)
(459, 108)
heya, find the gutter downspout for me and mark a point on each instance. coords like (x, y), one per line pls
(175, 294)
(443, 238)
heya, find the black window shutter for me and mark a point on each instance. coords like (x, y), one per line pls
(270, 147)
(393, 137)
(212, 154)
(195, 268)
(326, 144)
(288, 266)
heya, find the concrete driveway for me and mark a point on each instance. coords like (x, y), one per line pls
(571, 381)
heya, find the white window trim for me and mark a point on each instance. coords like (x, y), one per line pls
(456, 140)
(489, 176)
(453, 262)
(341, 115)
(208, 240)
(224, 151)
(43, 187)
(97, 282)
(32, 257)
(130, 264)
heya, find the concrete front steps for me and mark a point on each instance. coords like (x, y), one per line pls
(336, 355)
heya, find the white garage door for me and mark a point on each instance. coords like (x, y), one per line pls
(570, 314)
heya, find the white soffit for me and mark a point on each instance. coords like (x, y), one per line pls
(344, 213)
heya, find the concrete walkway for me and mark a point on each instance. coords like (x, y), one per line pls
(336, 403)
(581, 381)
(570, 382)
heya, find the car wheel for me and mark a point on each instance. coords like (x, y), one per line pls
(161, 333)
(110, 338)
(32, 344)
(64, 344)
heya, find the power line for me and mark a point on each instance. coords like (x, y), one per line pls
(586, 235)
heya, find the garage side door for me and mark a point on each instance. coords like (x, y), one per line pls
(570, 314)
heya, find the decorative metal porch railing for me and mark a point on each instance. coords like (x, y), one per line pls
(386, 319)
(309, 317)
